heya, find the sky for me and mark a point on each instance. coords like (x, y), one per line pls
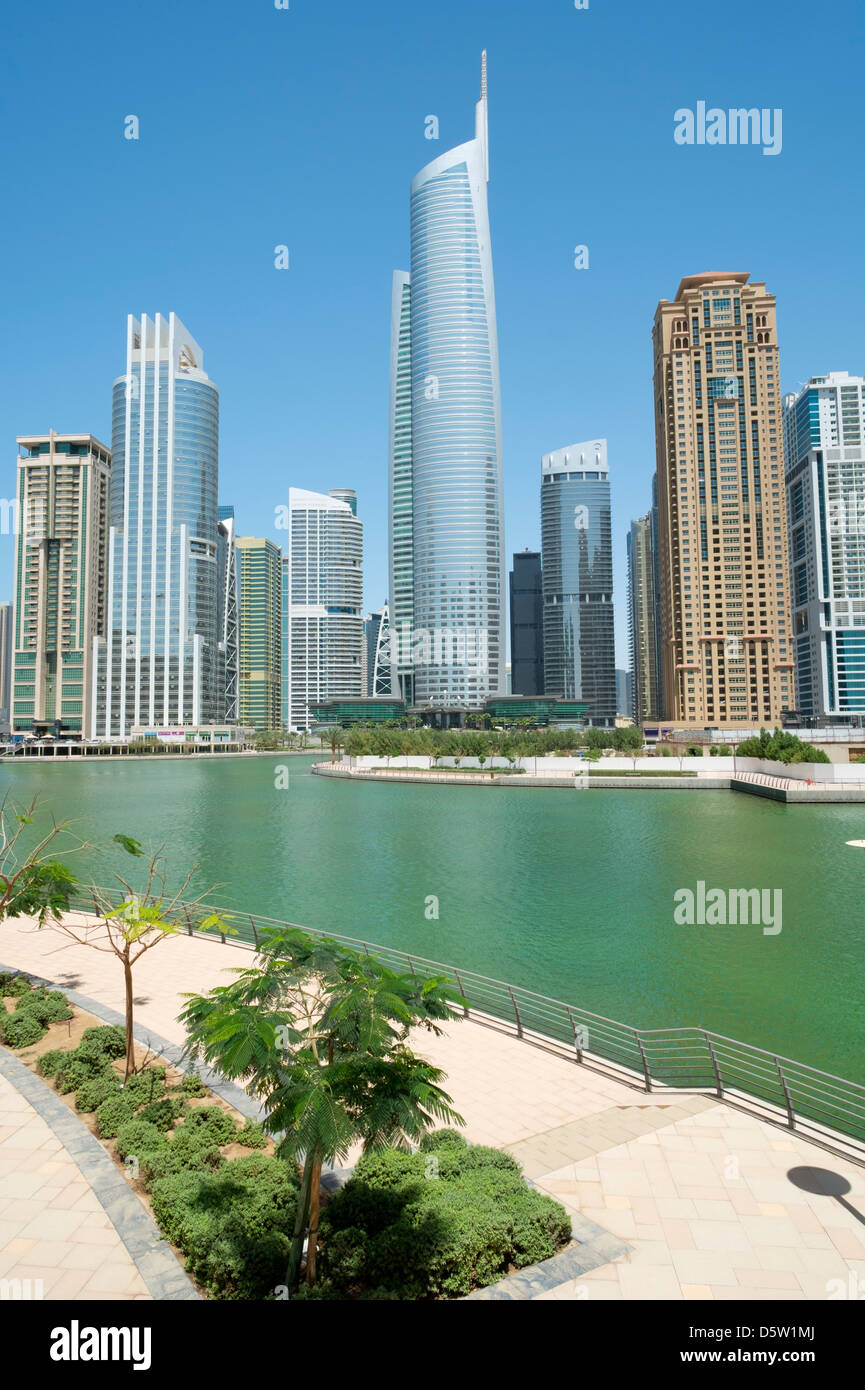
(302, 127)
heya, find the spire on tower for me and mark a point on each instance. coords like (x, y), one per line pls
(481, 119)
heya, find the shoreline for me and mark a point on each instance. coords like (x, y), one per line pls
(774, 789)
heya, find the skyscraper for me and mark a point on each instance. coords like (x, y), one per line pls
(527, 624)
(377, 653)
(159, 661)
(228, 617)
(60, 588)
(577, 567)
(260, 645)
(322, 594)
(724, 582)
(824, 439)
(6, 611)
(642, 610)
(447, 522)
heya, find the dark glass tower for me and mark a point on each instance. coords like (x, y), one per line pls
(527, 624)
(577, 566)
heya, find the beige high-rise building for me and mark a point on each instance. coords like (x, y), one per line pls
(60, 579)
(725, 601)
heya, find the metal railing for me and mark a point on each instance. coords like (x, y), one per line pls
(815, 1103)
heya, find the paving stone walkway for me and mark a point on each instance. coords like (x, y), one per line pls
(702, 1200)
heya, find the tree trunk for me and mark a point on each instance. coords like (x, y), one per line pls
(296, 1251)
(130, 1040)
(314, 1209)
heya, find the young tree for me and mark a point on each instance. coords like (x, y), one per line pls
(142, 920)
(319, 1032)
(33, 883)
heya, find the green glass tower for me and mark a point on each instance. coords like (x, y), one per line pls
(260, 654)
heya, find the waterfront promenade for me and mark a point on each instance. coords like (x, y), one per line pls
(695, 1194)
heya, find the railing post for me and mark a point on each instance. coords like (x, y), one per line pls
(577, 1044)
(719, 1085)
(516, 1013)
(647, 1075)
(254, 929)
(463, 993)
(788, 1100)
(410, 964)
(188, 922)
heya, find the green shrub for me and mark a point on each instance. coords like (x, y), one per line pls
(211, 1120)
(145, 1086)
(22, 1030)
(399, 1228)
(192, 1085)
(91, 1095)
(251, 1135)
(74, 1070)
(234, 1226)
(6, 978)
(108, 1039)
(162, 1113)
(48, 1006)
(138, 1137)
(112, 1113)
(50, 1061)
(20, 984)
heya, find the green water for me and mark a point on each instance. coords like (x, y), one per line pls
(566, 892)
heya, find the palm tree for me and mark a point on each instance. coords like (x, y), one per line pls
(319, 1033)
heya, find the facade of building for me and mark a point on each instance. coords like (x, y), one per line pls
(159, 661)
(322, 598)
(377, 676)
(527, 624)
(824, 430)
(577, 568)
(228, 622)
(6, 611)
(447, 570)
(260, 642)
(60, 579)
(727, 639)
(624, 694)
(642, 614)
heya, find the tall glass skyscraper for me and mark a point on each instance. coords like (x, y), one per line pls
(824, 444)
(322, 596)
(447, 571)
(577, 569)
(159, 660)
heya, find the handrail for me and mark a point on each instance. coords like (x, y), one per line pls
(798, 1095)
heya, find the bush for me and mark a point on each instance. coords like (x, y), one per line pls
(75, 1069)
(234, 1226)
(48, 1006)
(251, 1135)
(145, 1086)
(6, 978)
(211, 1121)
(162, 1113)
(112, 1113)
(91, 1095)
(19, 984)
(397, 1228)
(136, 1136)
(22, 1029)
(192, 1085)
(108, 1040)
(50, 1061)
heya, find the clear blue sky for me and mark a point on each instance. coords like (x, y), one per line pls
(304, 127)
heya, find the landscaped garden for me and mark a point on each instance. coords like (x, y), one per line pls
(235, 1201)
